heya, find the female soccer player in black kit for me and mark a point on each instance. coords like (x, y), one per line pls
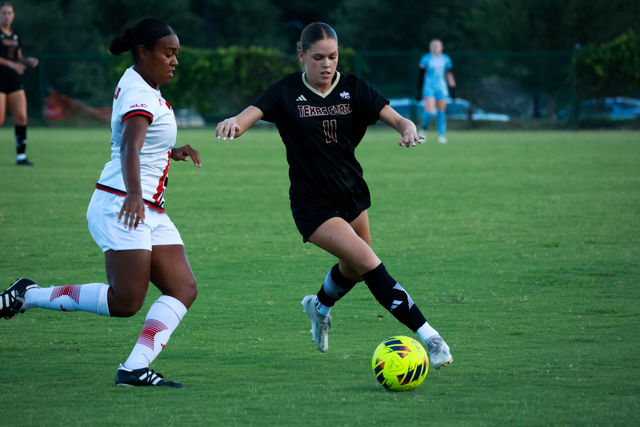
(12, 66)
(322, 115)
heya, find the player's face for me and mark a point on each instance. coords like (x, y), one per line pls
(435, 47)
(6, 16)
(320, 62)
(159, 64)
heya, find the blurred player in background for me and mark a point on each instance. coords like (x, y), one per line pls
(434, 74)
(12, 66)
(322, 115)
(145, 246)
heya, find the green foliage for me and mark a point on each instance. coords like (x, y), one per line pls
(222, 81)
(521, 248)
(611, 68)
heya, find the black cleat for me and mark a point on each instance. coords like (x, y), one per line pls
(12, 299)
(142, 377)
(24, 162)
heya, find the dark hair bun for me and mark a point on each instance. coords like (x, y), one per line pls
(122, 43)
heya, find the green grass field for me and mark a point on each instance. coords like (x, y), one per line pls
(521, 248)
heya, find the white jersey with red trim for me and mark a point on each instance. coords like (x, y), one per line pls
(133, 96)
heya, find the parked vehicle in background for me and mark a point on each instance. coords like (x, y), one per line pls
(189, 118)
(613, 108)
(457, 109)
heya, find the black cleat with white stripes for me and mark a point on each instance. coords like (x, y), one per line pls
(143, 377)
(12, 299)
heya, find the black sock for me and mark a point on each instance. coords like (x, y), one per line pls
(346, 284)
(21, 139)
(393, 297)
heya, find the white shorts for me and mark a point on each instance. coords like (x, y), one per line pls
(109, 234)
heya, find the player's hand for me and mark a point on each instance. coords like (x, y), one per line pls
(227, 128)
(181, 154)
(411, 138)
(132, 210)
(30, 61)
(18, 67)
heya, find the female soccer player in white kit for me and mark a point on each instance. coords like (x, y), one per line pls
(126, 215)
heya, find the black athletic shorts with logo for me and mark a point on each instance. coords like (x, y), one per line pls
(9, 81)
(309, 218)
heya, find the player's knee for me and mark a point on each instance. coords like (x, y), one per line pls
(125, 307)
(190, 294)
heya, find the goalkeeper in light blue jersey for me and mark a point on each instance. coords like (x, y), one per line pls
(433, 77)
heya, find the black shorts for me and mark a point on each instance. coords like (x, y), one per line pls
(10, 82)
(309, 218)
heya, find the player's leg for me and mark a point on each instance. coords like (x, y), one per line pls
(337, 237)
(441, 120)
(3, 107)
(429, 111)
(17, 103)
(127, 272)
(171, 274)
(341, 278)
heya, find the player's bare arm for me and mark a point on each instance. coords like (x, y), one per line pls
(133, 134)
(405, 127)
(237, 125)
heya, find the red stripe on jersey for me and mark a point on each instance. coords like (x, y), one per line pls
(132, 113)
(163, 180)
(72, 291)
(117, 192)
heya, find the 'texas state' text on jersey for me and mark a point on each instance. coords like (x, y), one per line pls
(133, 96)
(321, 133)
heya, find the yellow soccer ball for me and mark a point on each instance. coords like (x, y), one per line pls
(400, 363)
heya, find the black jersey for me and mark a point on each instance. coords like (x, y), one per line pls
(321, 133)
(9, 46)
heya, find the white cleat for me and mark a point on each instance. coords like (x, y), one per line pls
(320, 324)
(439, 354)
(442, 139)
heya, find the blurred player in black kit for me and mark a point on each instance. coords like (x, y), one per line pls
(322, 115)
(12, 66)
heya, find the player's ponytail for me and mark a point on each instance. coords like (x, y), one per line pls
(123, 42)
(146, 32)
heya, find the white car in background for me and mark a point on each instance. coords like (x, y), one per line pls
(457, 109)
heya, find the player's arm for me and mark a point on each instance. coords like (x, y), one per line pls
(134, 130)
(237, 125)
(451, 82)
(27, 60)
(18, 67)
(405, 127)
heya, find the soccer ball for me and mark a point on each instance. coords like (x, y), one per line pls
(400, 363)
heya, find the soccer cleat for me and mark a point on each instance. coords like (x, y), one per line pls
(439, 354)
(12, 299)
(320, 325)
(24, 162)
(142, 377)
(442, 139)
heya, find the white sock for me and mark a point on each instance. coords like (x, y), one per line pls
(162, 319)
(91, 297)
(426, 331)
